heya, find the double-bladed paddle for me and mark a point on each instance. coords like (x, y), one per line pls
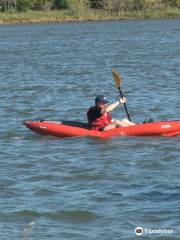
(117, 80)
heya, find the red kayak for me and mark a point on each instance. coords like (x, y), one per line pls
(77, 129)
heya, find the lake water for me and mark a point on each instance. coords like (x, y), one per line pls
(85, 188)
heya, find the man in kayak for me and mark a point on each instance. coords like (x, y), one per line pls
(99, 117)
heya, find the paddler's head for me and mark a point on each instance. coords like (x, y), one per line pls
(101, 101)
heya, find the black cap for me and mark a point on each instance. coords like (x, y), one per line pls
(101, 99)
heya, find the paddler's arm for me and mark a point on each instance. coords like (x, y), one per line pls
(112, 106)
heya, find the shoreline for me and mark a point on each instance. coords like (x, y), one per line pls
(62, 16)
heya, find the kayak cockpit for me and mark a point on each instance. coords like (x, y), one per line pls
(63, 122)
(75, 124)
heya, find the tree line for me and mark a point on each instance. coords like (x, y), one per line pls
(110, 5)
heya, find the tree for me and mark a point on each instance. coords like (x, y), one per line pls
(96, 3)
(23, 5)
(60, 4)
(43, 4)
(7, 5)
(172, 3)
(78, 7)
(137, 5)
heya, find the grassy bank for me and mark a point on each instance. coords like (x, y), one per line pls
(88, 15)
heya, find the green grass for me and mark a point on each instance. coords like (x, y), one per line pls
(36, 17)
(88, 14)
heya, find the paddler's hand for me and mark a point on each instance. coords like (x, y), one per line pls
(122, 100)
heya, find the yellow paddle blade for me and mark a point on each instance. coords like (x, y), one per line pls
(117, 78)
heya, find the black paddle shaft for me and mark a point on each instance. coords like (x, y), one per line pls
(124, 104)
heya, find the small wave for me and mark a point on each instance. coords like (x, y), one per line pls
(158, 196)
(27, 213)
(10, 135)
(45, 192)
(76, 215)
(42, 177)
(84, 177)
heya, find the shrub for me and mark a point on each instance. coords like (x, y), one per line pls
(43, 4)
(60, 4)
(23, 5)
